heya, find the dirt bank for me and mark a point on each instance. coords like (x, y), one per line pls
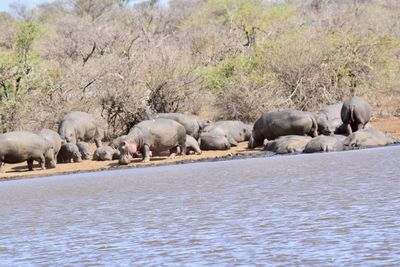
(15, 171)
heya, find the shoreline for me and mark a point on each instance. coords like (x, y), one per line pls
(19, 171)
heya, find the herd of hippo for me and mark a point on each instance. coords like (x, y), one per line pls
(335, 127)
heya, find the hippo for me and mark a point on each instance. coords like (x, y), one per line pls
(355, 114)
(104, 153)
(115, 143)
(53, 138)
(79, 126)
(324, 126)
(287, 144)
(369, 137)
(332, 112)
(153, 135)
(236, 131)
(193, 126)
(83, 149)
(213, 141)
(69, 152)
(324, 143)
(20, 146)
(192, 145)
(282, 122)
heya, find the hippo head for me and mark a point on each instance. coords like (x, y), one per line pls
(247, 130)
(126, 149)
(69, 136)
(76, 155)
(49, 161)
(323, 125)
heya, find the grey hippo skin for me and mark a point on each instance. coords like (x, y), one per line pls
(355, 114)
(104, 153)
(53, 138)
(115, 143)
(332, 114)
(369, 137)
(69, 152)
(193, 126)
(212, 141)
(83, 148)
(324, 143)
(153, 135)
(287, 144)
(236, 131)
(16, 147)
(192, 145)
(277, 123)
(79, 126)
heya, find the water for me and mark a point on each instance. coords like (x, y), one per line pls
(333, 209)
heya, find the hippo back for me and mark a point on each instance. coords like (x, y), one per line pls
(191, 124)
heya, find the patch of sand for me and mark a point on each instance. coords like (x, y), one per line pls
(16, 171)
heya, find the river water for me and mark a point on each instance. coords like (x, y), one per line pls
(332, 209)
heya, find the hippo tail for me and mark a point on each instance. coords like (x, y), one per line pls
(352, 113)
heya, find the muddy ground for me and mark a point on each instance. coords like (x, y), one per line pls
(15, 171)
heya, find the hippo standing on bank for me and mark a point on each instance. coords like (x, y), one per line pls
(192, 145)
(355, 114)
(79, 126)
(193, 126)
(16, 147)
(69, 152)
(287, 144)
(282, 122)
(153, 136)
(369, 137)
(53, 138)
(324, 143)
(104, 153)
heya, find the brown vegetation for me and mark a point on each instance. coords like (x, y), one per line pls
(230, 59)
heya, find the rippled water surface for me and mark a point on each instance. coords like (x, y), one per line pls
(334, 209)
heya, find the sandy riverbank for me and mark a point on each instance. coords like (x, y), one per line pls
(16, 171)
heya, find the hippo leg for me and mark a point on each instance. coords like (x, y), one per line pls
(360, 126)
(30, 164)
(41, 161)
(232, 141)
(348, 128)
(2, 167)
(146, 153)
(174, 151)
(97, 138)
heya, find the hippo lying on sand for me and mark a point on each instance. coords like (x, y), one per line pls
(153, 135)
(324, 143)
(282, 122)
(104, 153)
(287, 144)
(79, 126)
(16, 147)
(369, 137)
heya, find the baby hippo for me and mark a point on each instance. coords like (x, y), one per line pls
(83, 149)
(104, 153)
(69, 152)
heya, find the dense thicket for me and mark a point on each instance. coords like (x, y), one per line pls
(224, 59)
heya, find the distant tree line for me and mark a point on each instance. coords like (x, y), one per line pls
(221, 59)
